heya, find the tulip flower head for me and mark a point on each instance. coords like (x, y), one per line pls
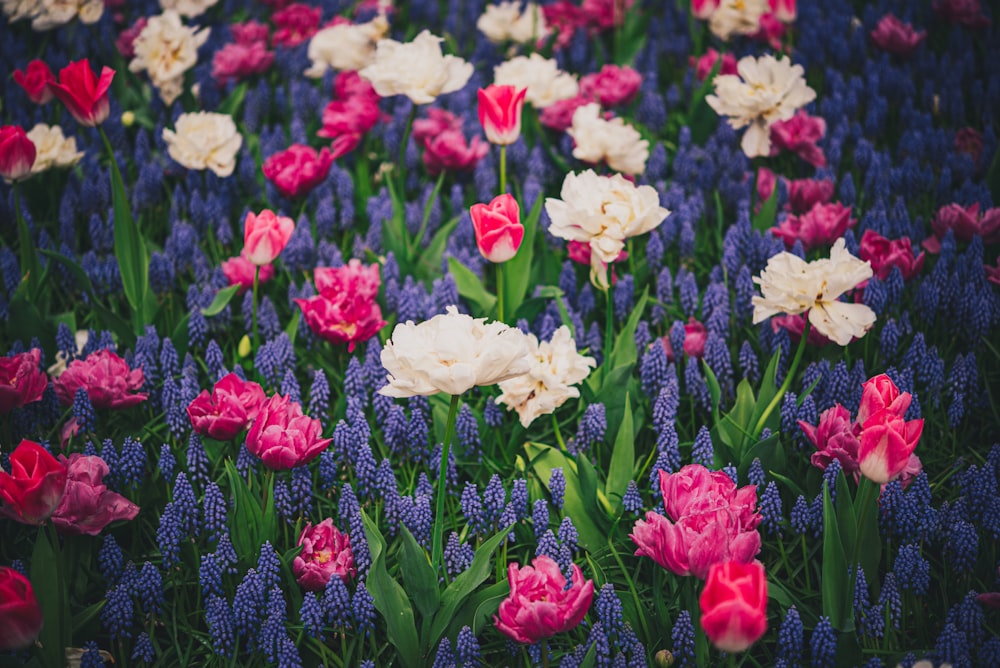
(17, 153)
(734, 605)
(20, 615)
(500, 113)
(498, 228)
(31, 491)
(265, 235)
(84, 94)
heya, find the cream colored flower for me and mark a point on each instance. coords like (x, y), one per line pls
(737, 17)
(766, 90)
(611, 141)
(416, 69)
(791, 285)
(506, 22)
(452, 353)
(54, 13)
(166, 49)
(555, 368)
(52, 149)
(604, 211)
(204, 140)
(345, 46)
(18, 10)
(188, 8)
(546, 83)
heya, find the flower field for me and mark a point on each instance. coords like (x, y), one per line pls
(447, 333)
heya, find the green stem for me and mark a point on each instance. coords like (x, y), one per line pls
(500, 291)
(503, 169)
(776, 399)
(29, 258)
(401, 164)
(256, 280)
(414, 245)
(438, 544)
(559, 438)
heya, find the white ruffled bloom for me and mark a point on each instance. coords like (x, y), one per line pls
(416, 69)
(452, 353)
(54, 13)
(18, 10)
(604, 211)
(166, 49)
(765, 90)
(611, 141)
(204, 140)
(737, 17)
(546, 83)
(555, 368)
(52, 148)
(506, 22)
(188, 8)
(789, 284)
(345, 46)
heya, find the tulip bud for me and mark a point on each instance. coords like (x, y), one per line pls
(265, 235)
(500, 113)
(20, 615)
(498, 228)
(17, 153)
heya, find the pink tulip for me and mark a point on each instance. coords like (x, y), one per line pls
(964, 12)
(785, 10)
(611, 86)
(703, 65)
(21, 381)
(795, 325)
(33, 488)
(35, 80)
(734, 605)
(765, 184)
(126, 38)
(326, 553)
(17, 153)
(559, 115)
(444, 143)
(352, 84)
(821, 226)
(236, 61)
(295, 24)
(770, 30)
(345, 310)
(881, 394)
(702, 9)
(965, 223)
(265, 235)
(799, 135)
(240, 271)
(88, 505)
(283, 437)
(498, 228)
(695, 336)
(84, 94)
(298, 169)
(20, 615)
(886, 443)
(834, 438)
(540, 604)
(500, 113)
(969, 141)
(896, 37)
(804, 194)
(107, 379)
(232, 405)
(249, 32)
(884, 254)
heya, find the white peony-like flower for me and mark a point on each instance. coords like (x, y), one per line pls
(604, 211)
(452, 353)
(555, 368)
(416, 69)
(204, 140)
(54, 13)
(166, 49)
(611, 141)
(188, 8)
(345, 46)
(766, 90)
(505, 22)
(546, 83)
(737, 17)
(18, 10)
(52, 148)
(789, 284)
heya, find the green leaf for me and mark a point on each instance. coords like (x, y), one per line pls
(622, 462)
(835, 578)
(866, 511)
(583, 509)
(612, 394)
(630, 37)
(234, 101)
(390, 600)
(429, 262)
(246, 512)
(222, 297)
(701, 118)
(624, 350)
(49, 584)
(418, 575)
(768, 389)
(764, 219)
(470, 286)
(517, 273)
(478, 610)
(735, 428)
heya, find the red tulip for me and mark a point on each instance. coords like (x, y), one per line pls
(85, 95)
(35, 80)
(326, 552)
(265, 235)
(20, 615)
(21, 381)
(498, 228)
(500, 113)
(540, 604)
(17, 153)
(34, 486)
(734, 605)
(283, 437)
(232, 405)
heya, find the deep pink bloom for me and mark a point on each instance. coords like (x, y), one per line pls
(965, 12)
(34, 486)
(965, 223)
(993, 273)
(834, 438)
(444, 143)
(265, 235)
(351, 84)
(88, 505)
(232, 405)
(563, 18)
(126, 38)
(20, 615)
(35, 80)
(886, 443)
(885, 254)
(326, 553)
(879, 394)
(734, 605)
(498, 228)
(236, 61)
(559, 115)
(695, 336)
(796, 324)
(17, 153)
(708, 521)
(107, 379)
(240, 271)
(540, 604)
(500, 113)
(604, 14)
(298, 169)
(249, 32)
(970, 141)
(84, 94)
(765, 184)
(770, 30)
(345, 310)
(799, 135)
(283, 437)
(821, 226)
(785, 10)
(347, 120)
(702, 9)
(703, 65)
(579, 252)
(896, 37)
(612, 85)
(21, 381)
(804, 194)
(295, 24)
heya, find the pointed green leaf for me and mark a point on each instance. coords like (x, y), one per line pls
(234, 101)
(222, 297)
(765, 218)
(517, 274)
(583, 509)
(835, 579)
(49, 585)
(246, 512)
(418, 576)
(622, 462)
(470, 286)
(624, 350)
